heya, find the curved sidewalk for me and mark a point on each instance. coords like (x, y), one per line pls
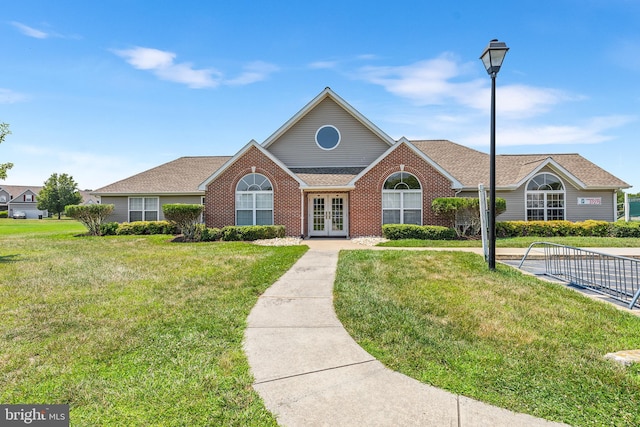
(310, 372)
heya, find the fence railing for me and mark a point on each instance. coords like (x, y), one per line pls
(615, 276)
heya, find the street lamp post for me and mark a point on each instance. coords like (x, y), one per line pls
(492, 58)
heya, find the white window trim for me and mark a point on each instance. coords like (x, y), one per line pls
(545, 193)
(254, 209)
(402, 193)
(157, 207)
(253, 194)
(337, 143)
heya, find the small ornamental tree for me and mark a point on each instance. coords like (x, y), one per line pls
(186, 217)
(463, 213)
(58, 191)
(91, 216)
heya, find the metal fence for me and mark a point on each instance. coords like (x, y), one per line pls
(615, 276)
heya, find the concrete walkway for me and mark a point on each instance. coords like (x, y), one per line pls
(310, 372)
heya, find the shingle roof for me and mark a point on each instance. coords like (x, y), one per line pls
(470, 167)
(179, 176)
(327, 176)
(471, 171)
(15, 190)
(510, 168)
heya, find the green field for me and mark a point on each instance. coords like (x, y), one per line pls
(137, 330)
(130, 330)
(500, 337)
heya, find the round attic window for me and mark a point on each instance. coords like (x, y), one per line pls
(328, 137)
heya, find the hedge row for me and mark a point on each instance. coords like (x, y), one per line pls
(4, 214)
(589, 228)
(138, 228)
(250, 233)
(422, 232)
(203, 233)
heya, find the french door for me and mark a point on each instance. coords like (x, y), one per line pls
(328, 215)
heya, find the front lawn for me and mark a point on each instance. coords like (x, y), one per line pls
(500, 337)
(131, 330)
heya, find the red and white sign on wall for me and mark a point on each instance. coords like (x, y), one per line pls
(589, 201)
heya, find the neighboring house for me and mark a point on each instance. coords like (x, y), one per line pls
(24, 198)
(15, 198)
(88, 198)
(329, 171)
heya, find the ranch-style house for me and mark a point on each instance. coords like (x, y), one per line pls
(329, 171)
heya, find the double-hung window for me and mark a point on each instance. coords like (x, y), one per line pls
(402, 199)
(143, 209)
(254, 200)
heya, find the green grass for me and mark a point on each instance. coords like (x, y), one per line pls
(131, 330)
(29, 227)
(500, 337)
(521, 242)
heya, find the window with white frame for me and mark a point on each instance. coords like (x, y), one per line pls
(143, 209)
(402, 199)
(545, 196)
(254, 200)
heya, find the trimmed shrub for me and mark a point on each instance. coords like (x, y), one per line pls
(625, 229)
(233, 233)
(589, 228)
(146, 227)
(4, 214)
(91, 216)
(421, 232)
(109, 228)
(463, 213)
(186, 217)
(208, 234)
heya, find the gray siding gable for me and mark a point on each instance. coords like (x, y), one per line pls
(359, 146)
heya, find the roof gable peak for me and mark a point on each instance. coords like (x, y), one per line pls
(327, 93)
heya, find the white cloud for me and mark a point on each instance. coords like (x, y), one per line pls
(163, 65)
(442, 81)
(30, 31)
(323, 65)
(7, 96)
(147, 59)
(254, 72)
(593, 131)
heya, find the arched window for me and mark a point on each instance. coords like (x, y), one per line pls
(402, 199)
(254, 200)
(545, 197)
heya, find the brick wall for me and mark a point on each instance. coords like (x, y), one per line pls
(366, 199)
(220, 193)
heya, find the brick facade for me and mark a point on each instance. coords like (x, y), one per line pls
(364, 202)
(220, 193)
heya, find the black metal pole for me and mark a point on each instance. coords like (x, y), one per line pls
(492, 179)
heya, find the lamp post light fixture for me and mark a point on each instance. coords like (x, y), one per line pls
(492, 58)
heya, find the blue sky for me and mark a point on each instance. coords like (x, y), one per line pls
(105, 89)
